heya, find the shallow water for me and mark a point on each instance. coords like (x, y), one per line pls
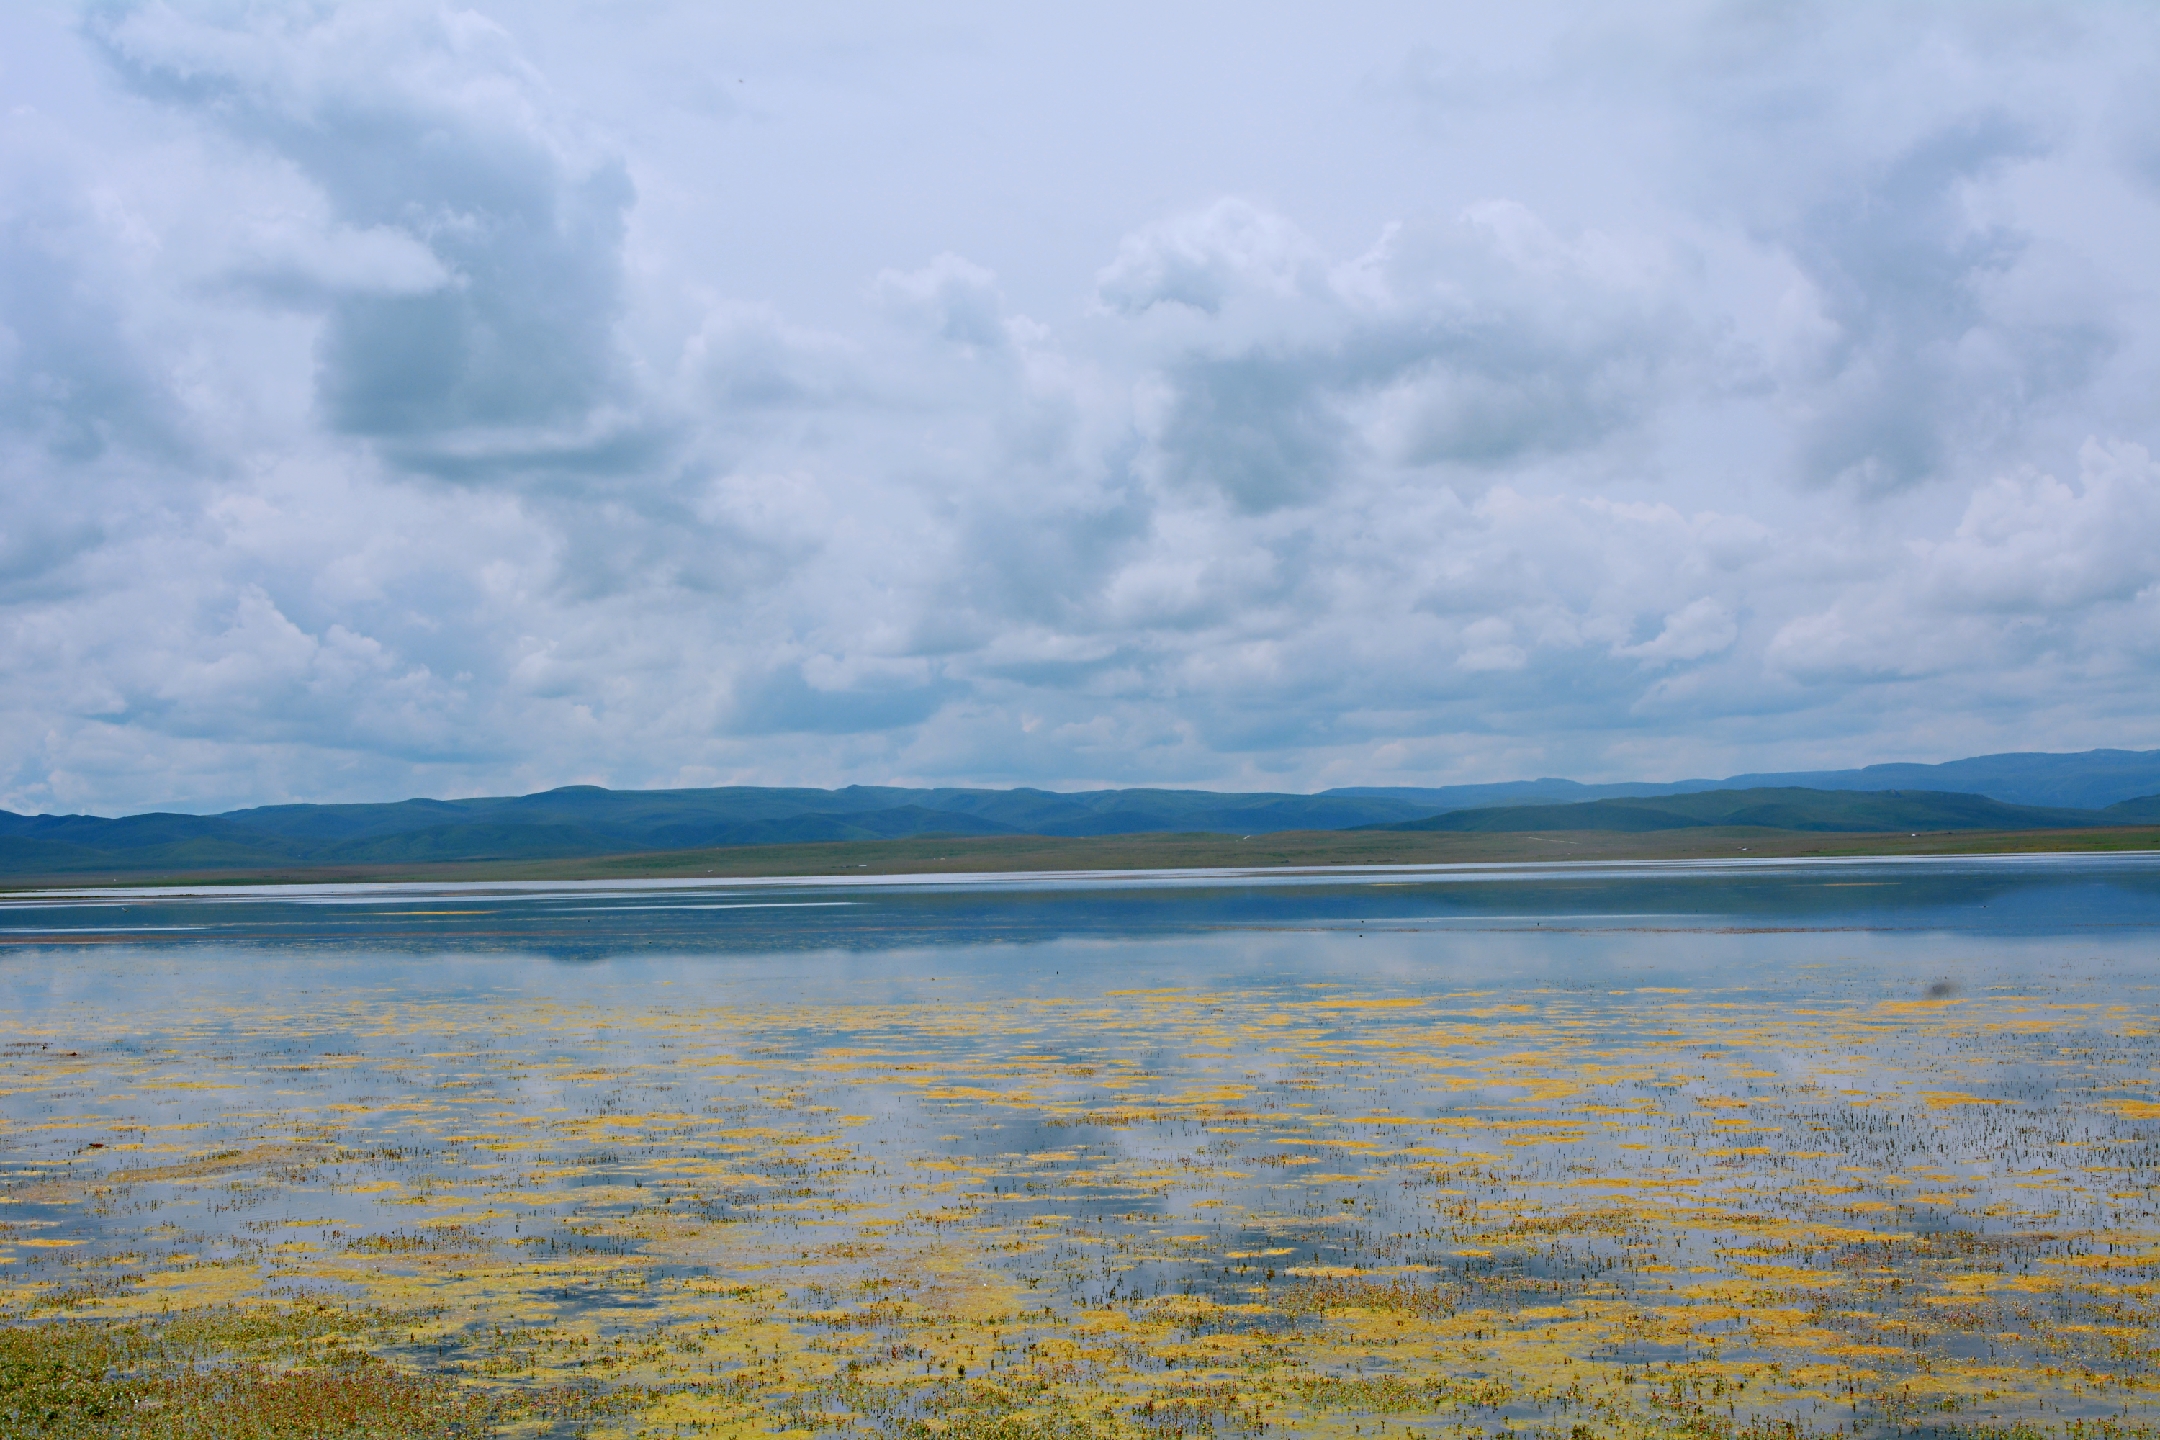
(1850, 1145)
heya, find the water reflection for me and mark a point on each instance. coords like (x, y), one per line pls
(1820, 1145)
(1999, 895)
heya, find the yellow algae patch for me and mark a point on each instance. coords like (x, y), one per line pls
(1412, 1003)
(1128, 1217)
(218, 1163)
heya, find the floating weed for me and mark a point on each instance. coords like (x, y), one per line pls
(1307, 1211)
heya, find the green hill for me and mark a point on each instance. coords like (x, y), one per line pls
(2145, 810)
(584, 821)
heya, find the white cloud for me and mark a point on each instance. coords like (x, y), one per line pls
(439, 155)
(1701, 627)
(287, 257)
(2031, 544)
(2037, 575)
(951, 298)
(1202, 261)
(408, 397)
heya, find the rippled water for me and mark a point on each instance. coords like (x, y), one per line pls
(1854, 1144)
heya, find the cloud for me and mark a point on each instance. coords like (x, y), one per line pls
(76, 378)
(2134, 119)
(825, 694)
(2036, 572)
(1900, 273)
(950, 298)
(1201, 261)
(747, 360)
(1507, 339)
(1701, 627)
(1911, 345)
(423, 398)
(472, 271)
(1264, 430)
(316, 265)
(1475, 341)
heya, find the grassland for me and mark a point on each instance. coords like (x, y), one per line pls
(995, 854)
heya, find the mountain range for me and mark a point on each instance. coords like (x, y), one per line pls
(1845, 812)
(1995, 792)
(2087, 780)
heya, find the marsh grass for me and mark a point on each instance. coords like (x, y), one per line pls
(70, 1379)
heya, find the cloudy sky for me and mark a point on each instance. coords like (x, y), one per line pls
(405, 398)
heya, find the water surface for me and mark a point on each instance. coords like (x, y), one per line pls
(1842, 1145)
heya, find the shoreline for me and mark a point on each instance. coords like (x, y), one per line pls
(1311, 849)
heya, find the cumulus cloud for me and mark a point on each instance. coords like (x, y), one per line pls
(1203, 260)
(1901, 274)
(396, 398)
(950, 298)
(76, 374)
(2036, 571)
(311, 265)
(1507, 339)
(1473, 341)
(472, 268)
(1700, 627)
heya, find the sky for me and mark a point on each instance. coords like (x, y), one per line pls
(410, 398)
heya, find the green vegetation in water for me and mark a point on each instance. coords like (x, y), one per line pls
(1298, 1209)
(243, 1374)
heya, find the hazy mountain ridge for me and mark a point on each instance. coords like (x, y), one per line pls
(587, 820)
(2085, 780)
(583, 820)
(1772, 808)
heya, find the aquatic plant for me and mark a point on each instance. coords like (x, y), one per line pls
(1170, 1212)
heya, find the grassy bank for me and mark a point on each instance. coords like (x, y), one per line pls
(991, 854)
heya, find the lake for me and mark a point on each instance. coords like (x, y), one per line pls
(1841, 1147)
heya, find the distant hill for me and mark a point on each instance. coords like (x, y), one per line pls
(2145, 810)
(585, 820)
(2088, 780)
(1770, 808)
(581, 821)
